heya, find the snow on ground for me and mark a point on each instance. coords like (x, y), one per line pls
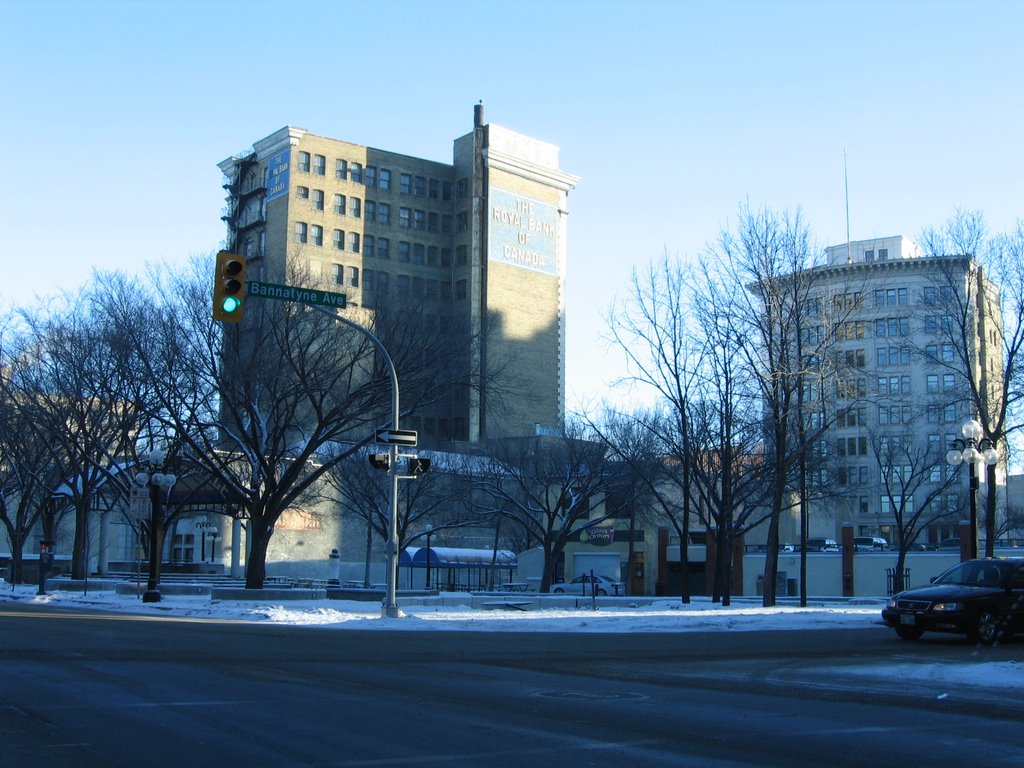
(622, 616)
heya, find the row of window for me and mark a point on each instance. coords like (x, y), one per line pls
(344, 170)
(380, 247)
(380, 213)
(378, 282)
(380, 178)
(883, 297)
(884, 327)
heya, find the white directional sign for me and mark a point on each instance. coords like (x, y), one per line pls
(396, 436)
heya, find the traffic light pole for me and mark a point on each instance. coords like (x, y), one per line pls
(389, 607)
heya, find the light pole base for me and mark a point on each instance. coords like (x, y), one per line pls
(151, 596)
(391, 612)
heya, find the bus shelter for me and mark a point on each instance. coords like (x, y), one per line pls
(453, 569)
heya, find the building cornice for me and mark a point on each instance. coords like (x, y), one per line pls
(516, 166)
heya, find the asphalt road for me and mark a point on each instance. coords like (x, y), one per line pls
(82, 689)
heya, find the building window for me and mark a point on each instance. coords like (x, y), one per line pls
(419, 186)
(418, 252)
(338, 274)
(355, 173)
(948, 381)
(932, 384)
(300, 232)
(370, 210)
(869, 255)
(446, 257)
(852, 446)
(355, 207)
(462, 189)
(304, 162)
(317, 234)
(460, 290)
(849, 389)
(462, 220)
(339, 240)
(370, 176)
(850, 417)
(353, 242)
(446, 190)
(883, 254)
(318, 199)
(339, 205)
(341, 169)
(353, 276)
(432, 219)
(383, 248)
(385, 179)
(461, 257)
(892, 327)
(405, 183)
(890, 297)
(405, 217)
(319, 165)
(948, 353)
(302, 193)
(890, 503)
(404, 251)
(419, 220)
(384, 213)
(435, 189)
(402, 286)
(369, 245)
(432, 251)
(854, 358)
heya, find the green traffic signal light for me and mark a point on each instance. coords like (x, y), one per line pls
(229, 287)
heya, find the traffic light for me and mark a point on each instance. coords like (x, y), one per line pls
(229, 288)
(417, 465)
(380, 460)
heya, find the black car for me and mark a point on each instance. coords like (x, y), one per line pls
(983, 599)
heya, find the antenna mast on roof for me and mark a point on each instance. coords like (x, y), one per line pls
(846, 186)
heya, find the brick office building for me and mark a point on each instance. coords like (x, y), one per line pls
(482, 240)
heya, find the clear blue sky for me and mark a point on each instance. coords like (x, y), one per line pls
(113, 116)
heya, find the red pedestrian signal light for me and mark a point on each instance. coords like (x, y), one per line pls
(229, 288)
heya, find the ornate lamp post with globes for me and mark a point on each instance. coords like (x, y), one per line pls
(158, 483)
(974, 450)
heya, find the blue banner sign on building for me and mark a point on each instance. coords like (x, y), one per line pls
(522, 231)
(277, 175)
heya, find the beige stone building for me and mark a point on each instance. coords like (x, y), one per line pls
(481, 243)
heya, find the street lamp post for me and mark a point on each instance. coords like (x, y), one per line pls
(974, 450)
(430, 530)
(158, 484)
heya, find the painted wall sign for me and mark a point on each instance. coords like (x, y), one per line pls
(277, 174)
(522, 231)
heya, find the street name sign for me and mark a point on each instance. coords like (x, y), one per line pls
(278, 292)
(396, 436)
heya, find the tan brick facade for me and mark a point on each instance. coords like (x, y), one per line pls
(480, 243)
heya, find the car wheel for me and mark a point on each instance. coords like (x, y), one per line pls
(601, 593)
(909, 633)
(557, 591)
(987, 630)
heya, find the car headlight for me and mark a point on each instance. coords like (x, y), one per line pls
(892, 602)
(947, 607)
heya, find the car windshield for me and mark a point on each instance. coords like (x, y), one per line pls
(974, 573)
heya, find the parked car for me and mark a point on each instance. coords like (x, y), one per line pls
(983, 599)
(869, 544)
(582, 585)
(822, 545)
